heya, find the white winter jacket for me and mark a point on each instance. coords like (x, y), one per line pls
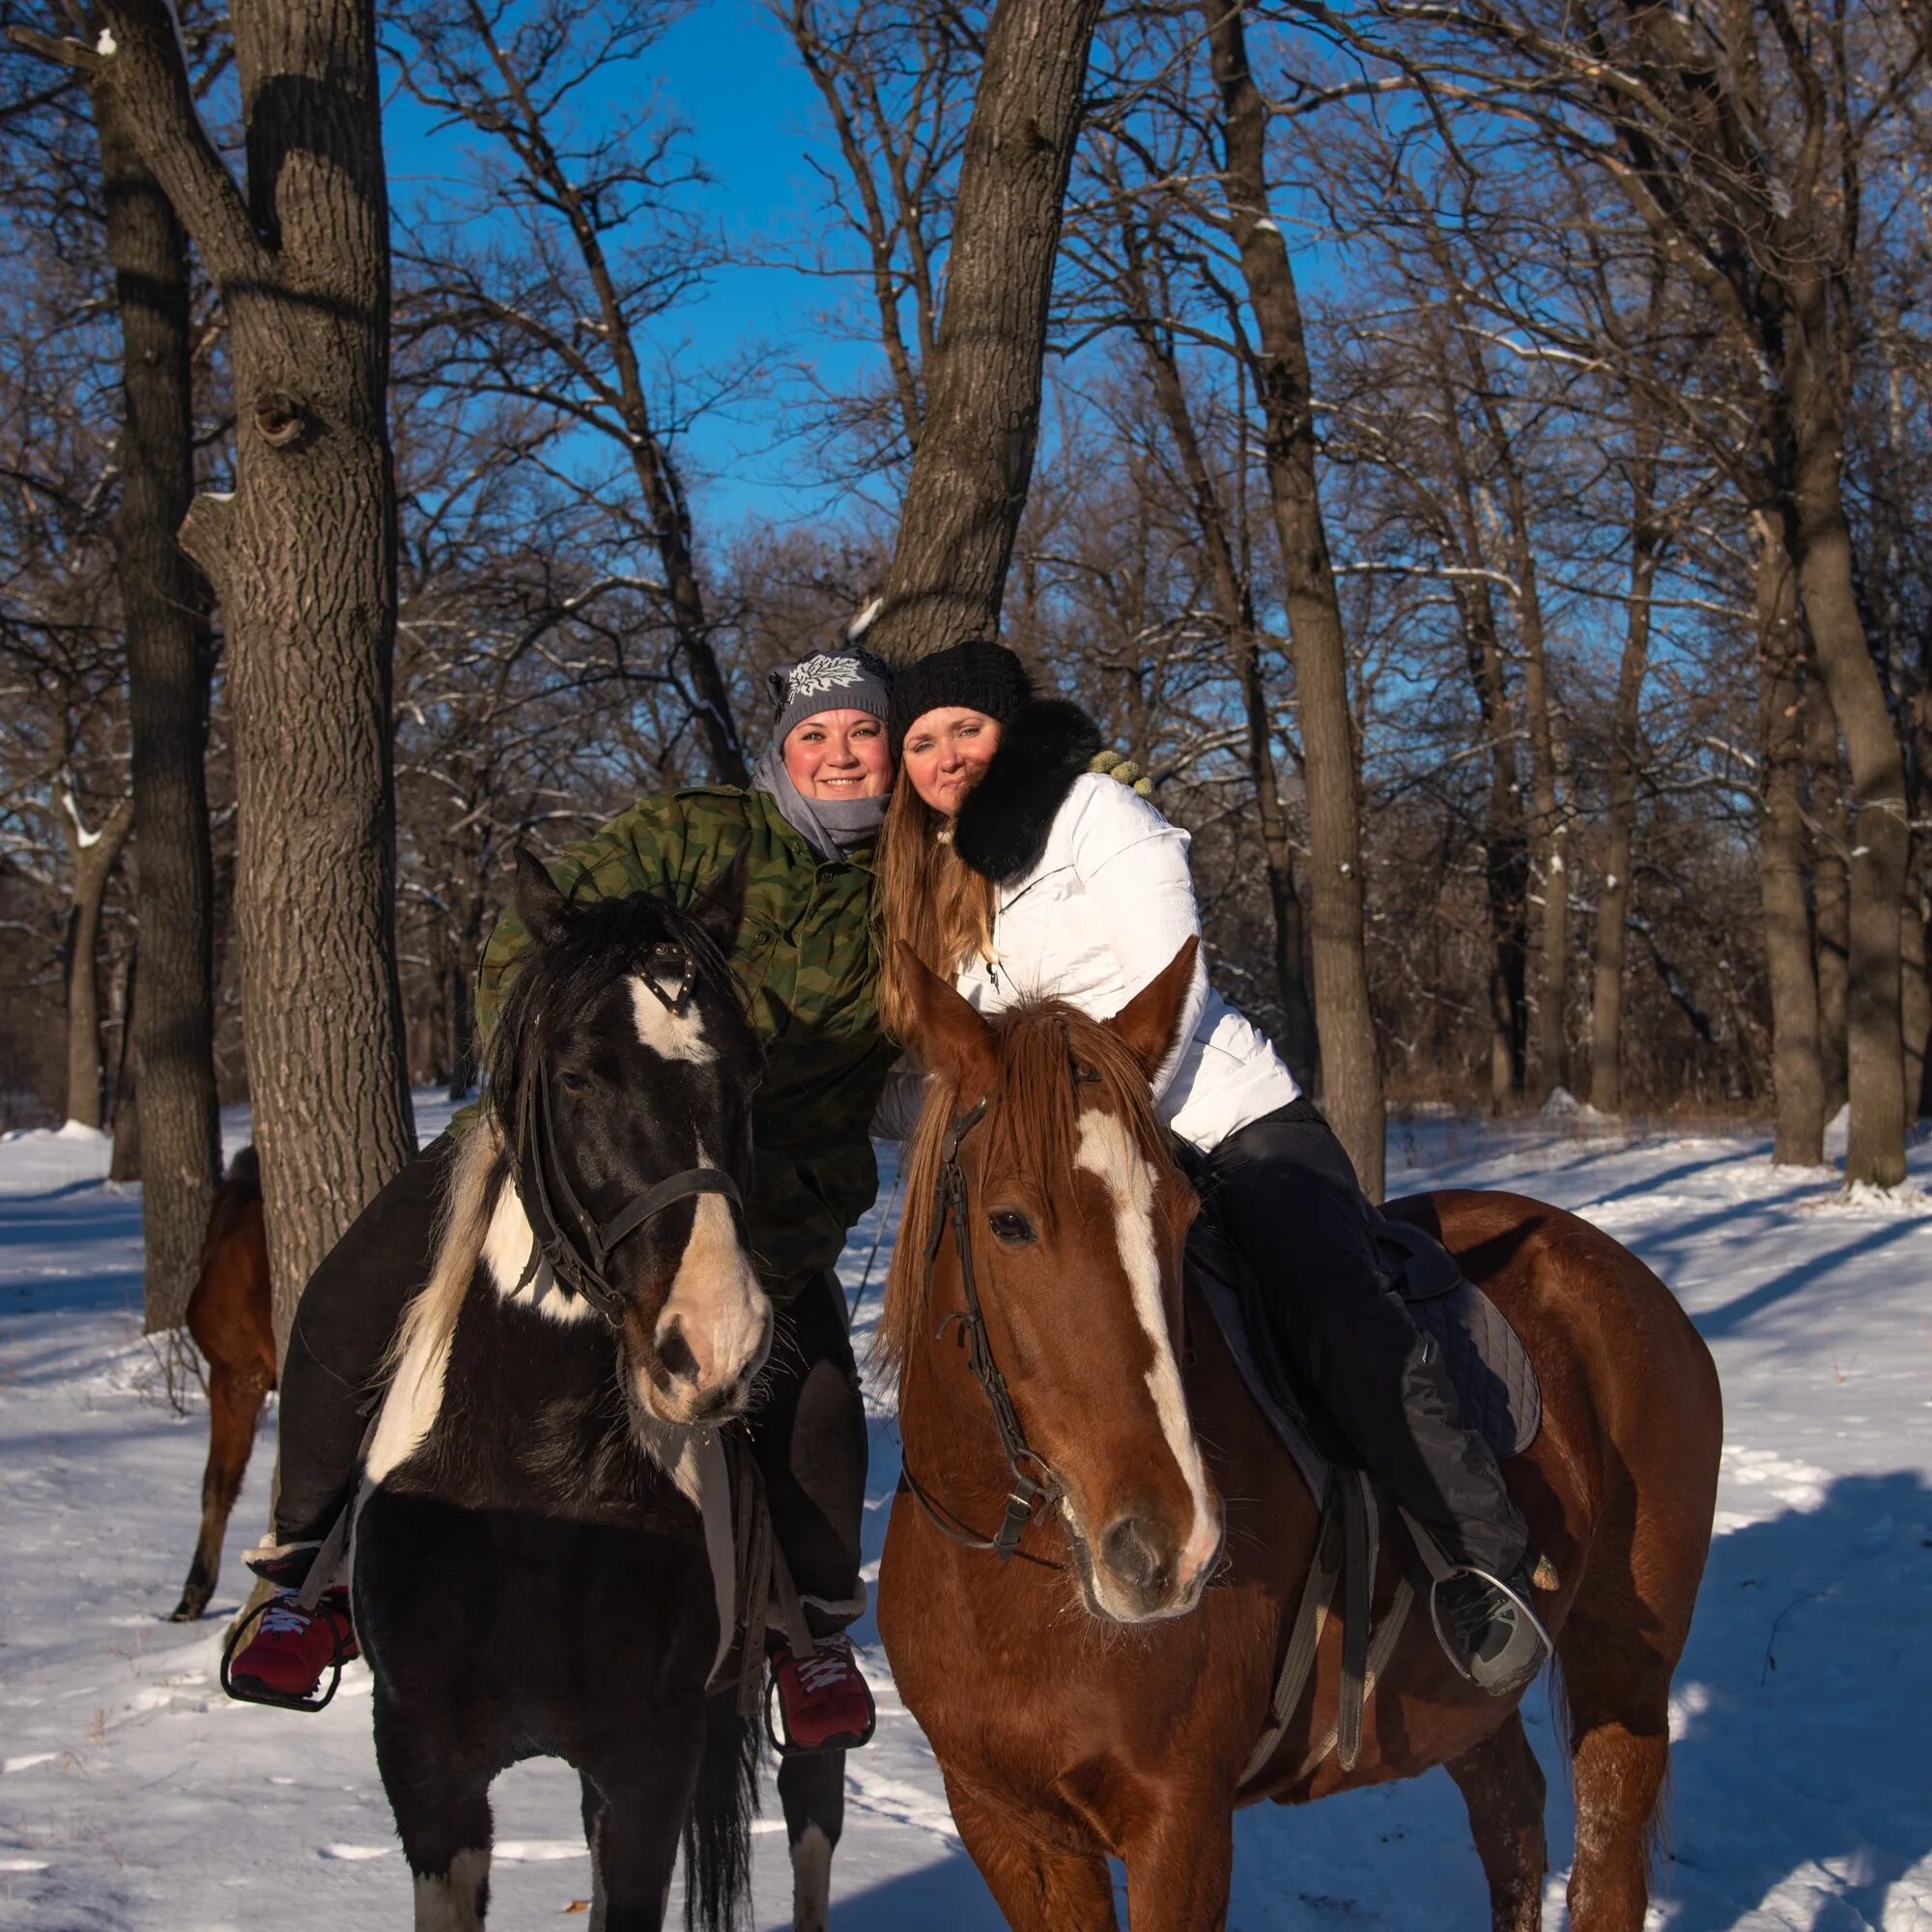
(1108, 904)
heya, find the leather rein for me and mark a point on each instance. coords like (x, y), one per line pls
(1029, 1497)
(576, 1244)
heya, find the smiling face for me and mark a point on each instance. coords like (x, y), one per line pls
(945, 753)
(838, 755)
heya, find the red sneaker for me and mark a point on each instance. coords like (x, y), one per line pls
(289, 1649)
(823, 1703)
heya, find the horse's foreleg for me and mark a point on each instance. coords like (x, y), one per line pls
(235, 1398)
(1181, 1864)
(1038, 1886)
(812, 1788)
(443, 1816)
(1503, 1786)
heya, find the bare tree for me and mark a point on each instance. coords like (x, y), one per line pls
(1351, 1082)
(970, 473)
(600, 249)
(301, 557)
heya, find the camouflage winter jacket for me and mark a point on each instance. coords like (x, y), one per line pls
(806, 964)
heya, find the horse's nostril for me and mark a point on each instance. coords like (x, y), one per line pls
(1135, 1551)
(675, 1354)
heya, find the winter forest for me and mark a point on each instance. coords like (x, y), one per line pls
(1468, 456)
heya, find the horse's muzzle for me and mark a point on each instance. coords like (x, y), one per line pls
(1140, 1570)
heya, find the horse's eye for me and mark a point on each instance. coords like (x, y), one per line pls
(1010, 1227)
(576, 1085)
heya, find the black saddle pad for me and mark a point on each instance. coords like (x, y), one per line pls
(1496, 1382)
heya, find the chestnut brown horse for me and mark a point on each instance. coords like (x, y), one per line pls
(1100, 1693)
(232, 1319)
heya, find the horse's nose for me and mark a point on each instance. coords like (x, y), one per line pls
(1140, 1553)
(674, 1355)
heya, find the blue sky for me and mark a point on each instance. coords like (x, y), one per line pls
(728, 70)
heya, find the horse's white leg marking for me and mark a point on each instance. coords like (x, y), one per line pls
(507, 1245)
(810, 1880)
(1108, 1151)
(450, 1903)
(675, 1035)
(413, 1401)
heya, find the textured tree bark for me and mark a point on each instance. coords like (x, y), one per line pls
(1796, 1082)
(1914, 1003)
(1351, 1091)
(1234, 609)
(302, 561)
(93, 855)
(1550, 831)
(1830, 885)
(1606, 1004)
(1875, 1150)
(164, 604)
(974, 458)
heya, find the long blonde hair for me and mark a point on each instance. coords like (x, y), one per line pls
(927, 898)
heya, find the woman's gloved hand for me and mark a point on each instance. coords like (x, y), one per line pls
(1118, 766)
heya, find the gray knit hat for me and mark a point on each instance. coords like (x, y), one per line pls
(850, 678)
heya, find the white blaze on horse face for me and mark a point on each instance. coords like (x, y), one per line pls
(1107, 1150)
(720, 1311)
(671, 1035)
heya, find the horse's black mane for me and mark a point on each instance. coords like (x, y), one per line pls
(600, 939)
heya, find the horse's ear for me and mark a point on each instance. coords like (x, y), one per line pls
(720, 908)
(1146, 1024)
(952, 1037)
(538, 902)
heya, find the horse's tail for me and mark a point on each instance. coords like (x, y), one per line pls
(718, 1826)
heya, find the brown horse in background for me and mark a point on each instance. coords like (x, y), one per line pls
(230, 1319)
(1101, 1693)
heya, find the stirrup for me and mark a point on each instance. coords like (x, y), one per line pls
(1526, 1652)
(786, 1745)
(281, 1700)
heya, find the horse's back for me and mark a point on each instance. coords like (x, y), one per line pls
(1631, 1400)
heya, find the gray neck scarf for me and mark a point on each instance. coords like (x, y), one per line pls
(833, 826)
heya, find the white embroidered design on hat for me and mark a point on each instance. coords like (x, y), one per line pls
(824, 672)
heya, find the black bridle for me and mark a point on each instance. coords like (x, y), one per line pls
(577, 1245)
(1028, 1497)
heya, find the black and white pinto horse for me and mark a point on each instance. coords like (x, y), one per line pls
(532, 1574)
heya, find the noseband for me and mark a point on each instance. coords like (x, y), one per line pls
(1028, 1497)
(577, 1246)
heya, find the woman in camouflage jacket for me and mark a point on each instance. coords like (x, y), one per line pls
(805, 963)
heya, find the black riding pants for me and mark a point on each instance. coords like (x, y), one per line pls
(809, 1432)
(1284, 1189)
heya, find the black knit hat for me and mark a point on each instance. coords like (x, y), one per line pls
(978, 675)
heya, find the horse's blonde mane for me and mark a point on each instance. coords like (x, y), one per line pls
(1033, 1128)
(461, 1225)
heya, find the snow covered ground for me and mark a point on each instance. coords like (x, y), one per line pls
(133, 1795)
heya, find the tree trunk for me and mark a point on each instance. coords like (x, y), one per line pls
(1797, 1080)
(1233, 609)
(124, 1164)
(302, 559)
(1830, 885)
(1822, 545)
(974, 458)
(1550, 832)
(1606, 1005)
(170, 662)
(1352, 1091)
(1914, 1003)
(93, 855)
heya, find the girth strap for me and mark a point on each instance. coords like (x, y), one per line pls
(1347, 1539)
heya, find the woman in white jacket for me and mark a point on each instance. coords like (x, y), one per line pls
(1009, 867)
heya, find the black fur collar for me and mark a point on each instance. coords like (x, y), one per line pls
(1002, 827)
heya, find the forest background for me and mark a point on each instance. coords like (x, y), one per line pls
(1602, 474)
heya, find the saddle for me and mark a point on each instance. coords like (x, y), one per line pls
(1497, 1391)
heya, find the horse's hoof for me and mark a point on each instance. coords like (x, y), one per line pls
(189, 1610)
